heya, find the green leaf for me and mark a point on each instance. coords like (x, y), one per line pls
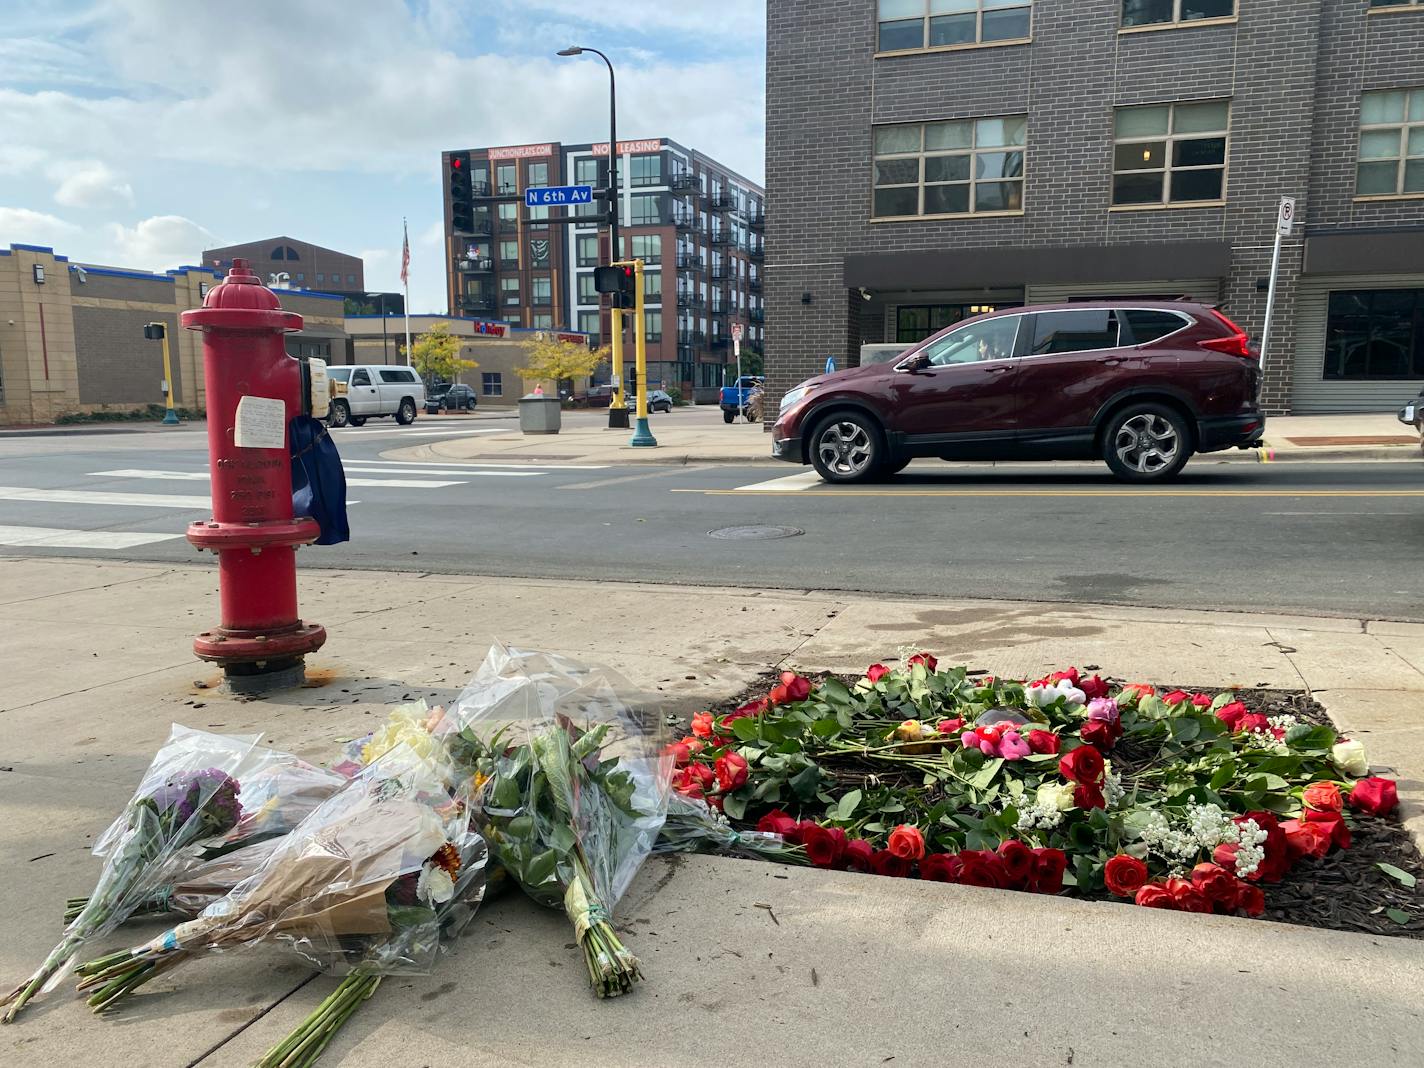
(735, 804)
(985, 775)
(1184, 728)
(806, 782)
(834, 692)
(1399, 916)
(1222, 775)
(825, 728)
(848, 804)
(747, 729)
(1398, 875)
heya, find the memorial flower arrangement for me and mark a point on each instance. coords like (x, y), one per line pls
(1178, 800)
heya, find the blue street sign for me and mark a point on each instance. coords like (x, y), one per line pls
(558, 194)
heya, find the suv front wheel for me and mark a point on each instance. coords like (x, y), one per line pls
(847, 448)
(405, 415)
(1147, 443)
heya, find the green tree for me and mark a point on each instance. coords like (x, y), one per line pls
(437, 354)
(550, 360)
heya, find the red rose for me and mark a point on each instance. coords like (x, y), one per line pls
(703, 775)
(980, 867)
(792, 688)
(1306, 839)
(1277, 862)
(802, 829)
(1082, 765)
(858, 854)
(885, 862)
(1253, 721)
(1231, 714)
(930, 663)
(749, 710)
(1071, 675)
(1125, 875)
(1374, 796)
(1216, 884)
(715, 801)
(1331, 821)
(702, 725)
(1101, 733)
(949, 726)
(1250, 899)
(1044, 741)
(731, 770)
(1018, 862)
(906, 842)
(1201, 700)
(1048, 867)
(1154, 896)
(1093, 687)
(681, 752)
(1089, 795)
(825, 846)
(940, 868)
(775, 821)
(1135, 691)
(1186, 897)
(694, 780)
(1176, 697)
(876, 672)
(1225, 855)
(1324, 797)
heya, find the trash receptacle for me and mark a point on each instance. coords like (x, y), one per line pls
(539, 414)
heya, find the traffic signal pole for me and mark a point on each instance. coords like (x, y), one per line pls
(642, 434)
(160, 331)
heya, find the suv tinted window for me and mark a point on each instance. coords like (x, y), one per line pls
(361, 378)
(984, 339)
(1144, 325)
(1074, 331)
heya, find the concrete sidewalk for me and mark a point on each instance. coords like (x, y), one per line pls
(697, 436)
(95, 663)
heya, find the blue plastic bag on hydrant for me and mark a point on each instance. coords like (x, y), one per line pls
(318, 479)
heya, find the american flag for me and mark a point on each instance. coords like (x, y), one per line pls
(405, 254)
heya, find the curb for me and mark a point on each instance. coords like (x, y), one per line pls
(1297, 454)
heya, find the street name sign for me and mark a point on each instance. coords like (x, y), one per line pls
(555, 195)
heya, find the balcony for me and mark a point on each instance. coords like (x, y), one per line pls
(685, 221)
(690, 300)
(756, 253)
(754, 284)
(720, 274)
(509, 265)
(481, 265)
(505, 189)
(481, 225)
(477, 303)
(721, 201)
(757, 220)
(480, 189)
(682, 183)
(690, 337)
(684, 352)
(689, 262)
(757, 315)
(722, 239)
(721, 341)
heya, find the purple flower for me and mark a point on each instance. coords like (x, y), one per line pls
(1103, 708)
(211, 792)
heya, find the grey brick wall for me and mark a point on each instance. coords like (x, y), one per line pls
(1293, 70)
(117, 364)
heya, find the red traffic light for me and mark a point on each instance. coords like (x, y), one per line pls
(456, 162)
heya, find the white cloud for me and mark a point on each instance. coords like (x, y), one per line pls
(89, 184)
(21, 226)
(160, 242)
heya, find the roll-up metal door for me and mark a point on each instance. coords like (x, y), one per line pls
(1205, 290)
(1311, 391)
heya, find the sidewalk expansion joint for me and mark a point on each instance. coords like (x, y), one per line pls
(831, 617)
(220, 1043)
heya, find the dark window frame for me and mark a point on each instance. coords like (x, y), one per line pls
(1335, 341)
(1179, 14)
(930, 23)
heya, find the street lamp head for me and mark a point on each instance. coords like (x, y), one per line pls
(572, 50)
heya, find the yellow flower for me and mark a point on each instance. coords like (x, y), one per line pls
(912, 730)
(404, 725)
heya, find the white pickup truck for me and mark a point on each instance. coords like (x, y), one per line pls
(366, 390)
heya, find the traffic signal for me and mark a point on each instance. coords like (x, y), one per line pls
(462, 196)
(621, 282)
(154, 331)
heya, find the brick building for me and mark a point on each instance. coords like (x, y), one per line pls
(929, 160)
(696, 224)
(306, 266)
(71, 335)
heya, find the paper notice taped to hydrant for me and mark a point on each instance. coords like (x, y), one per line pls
(261, 424)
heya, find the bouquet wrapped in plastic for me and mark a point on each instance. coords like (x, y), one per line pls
(693, 826)
(573, 787)
(364, 875)
(189, 792)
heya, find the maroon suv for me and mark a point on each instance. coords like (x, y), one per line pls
(1140, 384)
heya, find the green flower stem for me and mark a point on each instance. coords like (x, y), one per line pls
(311, 1037)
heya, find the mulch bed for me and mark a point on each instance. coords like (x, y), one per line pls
(1345, 891)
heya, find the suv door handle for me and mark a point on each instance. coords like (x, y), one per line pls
(997, 370)
(1114, 361)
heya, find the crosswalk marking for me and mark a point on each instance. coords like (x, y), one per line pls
(362, 432)
(472, 466)
(802, 481)
(202, 476)
(59, 538)
(132, 500)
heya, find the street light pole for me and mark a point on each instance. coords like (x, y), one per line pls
(617, 408)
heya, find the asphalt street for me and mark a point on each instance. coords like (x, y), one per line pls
(1320, 538)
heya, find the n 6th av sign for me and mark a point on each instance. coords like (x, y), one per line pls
(555, 195)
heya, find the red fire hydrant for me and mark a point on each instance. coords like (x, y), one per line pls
(254, 390)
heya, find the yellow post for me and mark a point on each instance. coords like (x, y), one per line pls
(170, 417)
(642, 433)
(615, 324)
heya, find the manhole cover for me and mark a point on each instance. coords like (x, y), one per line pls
(754, 533)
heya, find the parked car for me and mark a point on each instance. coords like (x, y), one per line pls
(1412, 414)
(372, 390)
(734, 398)
(659, 401)
(1142, 385)
(452, 398)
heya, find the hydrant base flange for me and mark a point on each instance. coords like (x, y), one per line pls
(270, 534)
(223, 646)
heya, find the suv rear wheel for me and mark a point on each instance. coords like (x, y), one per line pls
(406, 415)
(339, 415)
(847, 448)
(1147, 443)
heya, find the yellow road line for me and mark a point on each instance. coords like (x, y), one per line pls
(805, 493)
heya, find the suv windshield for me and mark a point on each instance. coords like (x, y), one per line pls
(984, 339)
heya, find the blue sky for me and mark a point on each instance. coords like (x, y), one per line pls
(138, 132)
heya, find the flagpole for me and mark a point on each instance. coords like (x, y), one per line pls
(405, 277)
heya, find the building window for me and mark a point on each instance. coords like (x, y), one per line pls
(541, 290)
(509, 253)
(1158, 12)
(350, 279)
(301, 276)
(590, 171)
(509, 213)
(645, 247)
(1391, 143)
(647, 210)
(916, 322)
(491, 384)
(320, 277)
(588, 323)
(1375, 334)
(504, 178)
(587, 294)
(653, 287)
(646, 170)
(539, 174)
(588, 250)
(1170, 153)
(911, 24)
(970, 166)
(539, 213)
(542, 321)
(509, 292)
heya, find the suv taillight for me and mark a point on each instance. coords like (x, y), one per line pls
(1237, 344)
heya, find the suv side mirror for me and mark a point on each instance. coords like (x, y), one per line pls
(918, 362)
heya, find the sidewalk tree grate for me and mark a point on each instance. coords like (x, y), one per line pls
(754, 533)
